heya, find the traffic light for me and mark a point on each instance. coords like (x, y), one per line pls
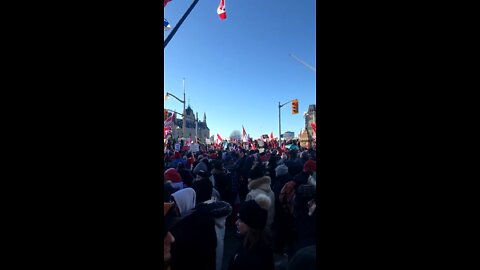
(198, 140)
(295, 106)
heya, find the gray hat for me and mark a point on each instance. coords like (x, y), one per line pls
(281, 170)
(201, 166)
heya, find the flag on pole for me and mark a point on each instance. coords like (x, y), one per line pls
(244, 135)
(168, 123)
(219, 138)
(271, 136)
(221, 10)
(165, 2)
(166, 25)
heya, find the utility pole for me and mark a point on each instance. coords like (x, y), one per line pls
(279, 122)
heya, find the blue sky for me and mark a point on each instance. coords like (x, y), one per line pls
(238, 69)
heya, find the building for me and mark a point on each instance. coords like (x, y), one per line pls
(191, 119)
(307, 135)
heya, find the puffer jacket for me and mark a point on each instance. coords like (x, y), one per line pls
(262, 186)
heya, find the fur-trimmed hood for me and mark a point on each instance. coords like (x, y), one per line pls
(262, 183)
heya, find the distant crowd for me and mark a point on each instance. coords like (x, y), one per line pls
(267, 196)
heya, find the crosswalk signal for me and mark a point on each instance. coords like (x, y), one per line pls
(295, 106)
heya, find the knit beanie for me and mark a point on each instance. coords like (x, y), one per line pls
(172, 175)
(310, 166)
(257, 171)
(254, 213)
(281, 170)
(201, 166)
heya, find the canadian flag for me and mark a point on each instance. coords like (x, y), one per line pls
(244, 135)
(221, 10)
(219, 138)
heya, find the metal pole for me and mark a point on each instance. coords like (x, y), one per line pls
(174, 30)
(184, 119)
(279, 126)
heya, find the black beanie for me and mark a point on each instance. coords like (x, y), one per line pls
(257, 171)
(253, 215)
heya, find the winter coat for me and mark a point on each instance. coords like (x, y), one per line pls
(262, 186)
(195, 241)
(258, 257)
(220, 211)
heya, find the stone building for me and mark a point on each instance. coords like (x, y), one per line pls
(307, 134)
(203, 132)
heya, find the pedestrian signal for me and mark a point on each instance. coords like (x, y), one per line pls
(295, 106)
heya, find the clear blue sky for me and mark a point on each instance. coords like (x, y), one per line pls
(238, 69)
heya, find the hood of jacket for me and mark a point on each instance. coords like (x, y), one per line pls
(260, 183)
(216, 208)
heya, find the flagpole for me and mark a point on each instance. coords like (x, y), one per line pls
(174, 30)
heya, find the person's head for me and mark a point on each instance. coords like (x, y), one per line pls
(242, 152)
(257, 171)
(179, 166)
(203, 189)
(172, 175)
(310, 166)
(281, 170)
(168, 238)
(184, 199)
(252, 218)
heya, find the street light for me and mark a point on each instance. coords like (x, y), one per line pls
(182, 101)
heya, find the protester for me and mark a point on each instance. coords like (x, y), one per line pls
(195, 241)
(255, 252)
(259, 183)
(283, 220)
(223, 182)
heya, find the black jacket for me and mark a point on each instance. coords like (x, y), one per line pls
(223, 184)
(195, 241)
(258, 257)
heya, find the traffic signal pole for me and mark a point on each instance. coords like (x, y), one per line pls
(174, 30)
(279, 122)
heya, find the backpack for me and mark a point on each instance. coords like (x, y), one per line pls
(287, 196)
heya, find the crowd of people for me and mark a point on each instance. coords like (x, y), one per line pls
(268, 196)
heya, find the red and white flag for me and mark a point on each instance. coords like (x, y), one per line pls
(244, 135)
(271, 136)
(168, 123)
(219, 138)
(221, 10)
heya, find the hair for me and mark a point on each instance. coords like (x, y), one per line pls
(254, 236)
(179, 166)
